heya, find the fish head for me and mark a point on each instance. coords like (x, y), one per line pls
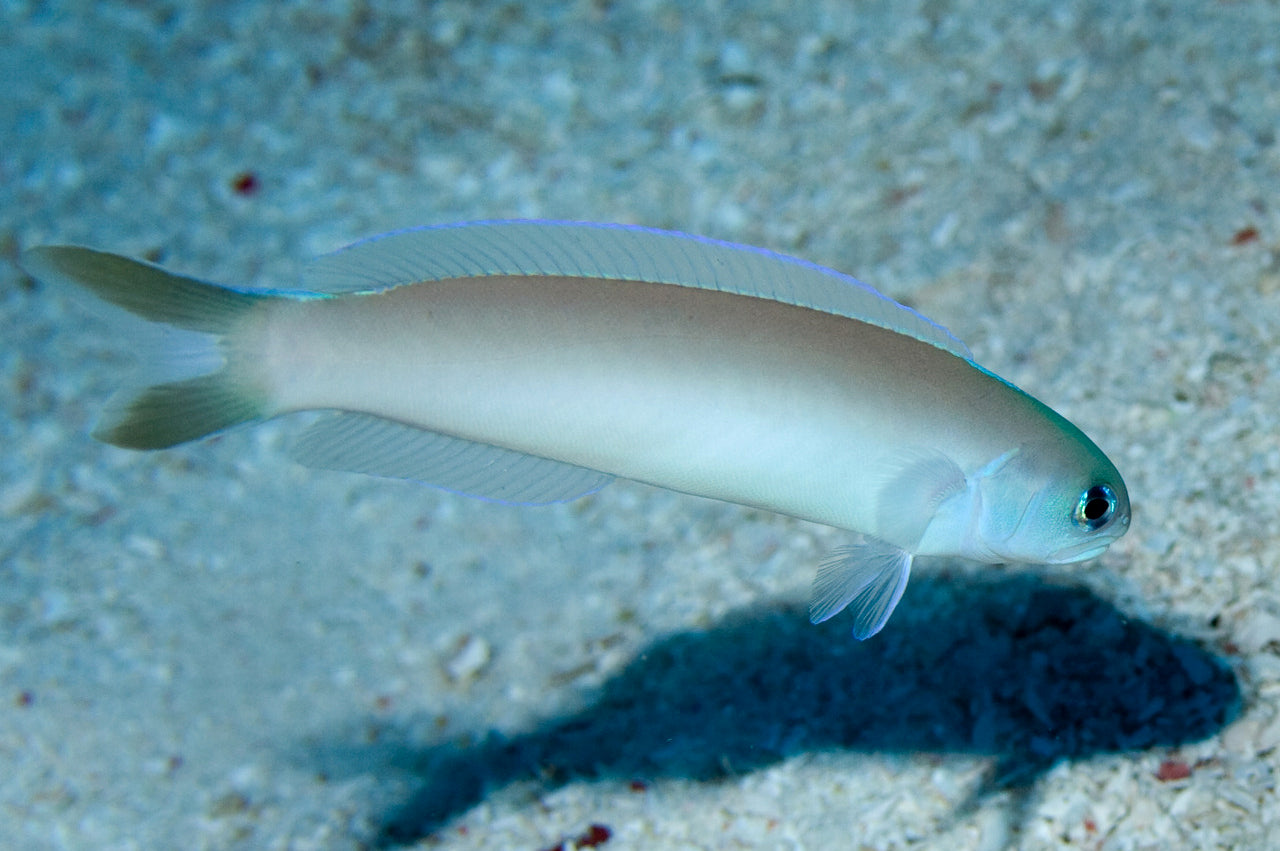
(1052, 503)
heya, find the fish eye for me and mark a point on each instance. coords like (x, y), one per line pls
(1096, 507)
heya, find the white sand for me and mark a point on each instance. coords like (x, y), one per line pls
(211, 648)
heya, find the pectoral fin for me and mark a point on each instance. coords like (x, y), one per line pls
(869, 578)
(921, 481)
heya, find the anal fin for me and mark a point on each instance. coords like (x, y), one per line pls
(364, 443)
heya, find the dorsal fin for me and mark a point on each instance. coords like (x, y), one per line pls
(620, 252)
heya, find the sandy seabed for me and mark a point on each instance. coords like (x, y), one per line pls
(211, 647)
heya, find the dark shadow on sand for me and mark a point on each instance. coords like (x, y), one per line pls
(1025, 671)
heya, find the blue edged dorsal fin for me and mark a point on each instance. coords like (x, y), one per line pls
(618, 252)
(364, 443)
(868, 578)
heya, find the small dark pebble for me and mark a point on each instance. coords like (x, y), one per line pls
(593, 837)
(1245, 235)
(228, 805)
(245, 183)
(597, 834)
(1173, 769)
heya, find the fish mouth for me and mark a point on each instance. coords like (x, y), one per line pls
(1080, 552)
(1095, 546)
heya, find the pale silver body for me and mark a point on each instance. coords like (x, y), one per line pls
(721, 395)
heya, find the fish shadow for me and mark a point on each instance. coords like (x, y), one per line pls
(1017, 668)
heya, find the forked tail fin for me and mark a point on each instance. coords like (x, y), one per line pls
(172, 412)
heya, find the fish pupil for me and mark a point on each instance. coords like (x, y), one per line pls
(1096, 507)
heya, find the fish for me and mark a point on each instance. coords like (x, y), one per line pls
(533, 362)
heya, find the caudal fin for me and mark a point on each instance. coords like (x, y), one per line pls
(172, 412)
